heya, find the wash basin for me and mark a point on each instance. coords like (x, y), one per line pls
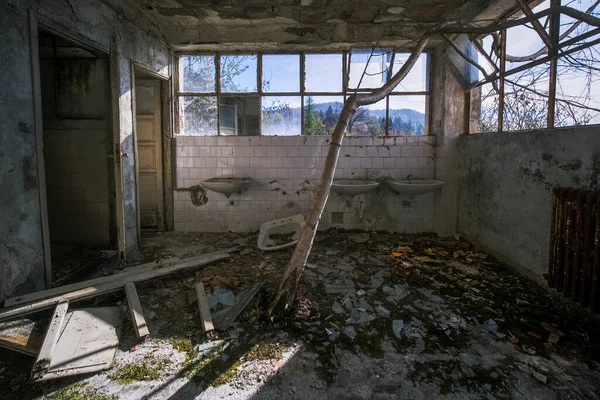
(413, 187)
(226, 185)
(353, 186)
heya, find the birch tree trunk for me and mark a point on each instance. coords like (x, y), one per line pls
(287, 288)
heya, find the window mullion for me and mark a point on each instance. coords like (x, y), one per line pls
(218, 90)
(302, 90)
(259, 88)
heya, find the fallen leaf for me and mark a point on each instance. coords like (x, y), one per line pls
(513, 340)
(397, 254)
(461, 253)
(442, 252)
(423, 259)
(535, 335)
(483, 256)
(430, 251)
(404, 249)
(455, 254)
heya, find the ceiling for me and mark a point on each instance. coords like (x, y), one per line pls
(189, 24)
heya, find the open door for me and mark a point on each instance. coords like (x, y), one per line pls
(150, 154)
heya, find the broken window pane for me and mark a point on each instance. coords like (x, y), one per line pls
(526, 99)
(368, 68)
(321, 114)
(369, 120)
(416, 80)
(239, 115)
(407, 115)
(323, 73)
(523, 40)
(487, 111)
(198, 116)
(281, 73)
(578, 89)
(197, 74)
(281, 115)
(238, 73)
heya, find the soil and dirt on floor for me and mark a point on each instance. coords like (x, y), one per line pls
(378, 316)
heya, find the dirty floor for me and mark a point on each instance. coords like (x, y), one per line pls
(378, 316)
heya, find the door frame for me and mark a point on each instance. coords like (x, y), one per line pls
(166, 129)
(37, 22)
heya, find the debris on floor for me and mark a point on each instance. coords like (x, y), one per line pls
(376, 315)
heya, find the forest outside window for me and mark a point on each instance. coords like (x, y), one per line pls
(297, 93)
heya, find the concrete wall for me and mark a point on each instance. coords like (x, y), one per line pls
(286, 170)
(448, 123)
(506, 182)
(21, 252)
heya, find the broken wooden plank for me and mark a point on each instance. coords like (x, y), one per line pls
(207, 323)
(127, 272)
(44, 358)
(96, 290)
(135, 310)
(241, 302)
(24, 335)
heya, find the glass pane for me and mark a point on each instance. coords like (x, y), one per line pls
(526, 99)
(198, 116)
(238, 73)
(281, 115)
(578, 89)
(323, 73)
(321, 114)
(198, 74)
(416, 80)
(281, 73)
(369, 67)
(368, 120)
(239, 115)
(407, 115)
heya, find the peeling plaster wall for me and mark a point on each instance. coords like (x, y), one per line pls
(21, 253)
(448, 123)
(505, 194)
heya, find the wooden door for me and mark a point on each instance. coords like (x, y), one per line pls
(149, 147)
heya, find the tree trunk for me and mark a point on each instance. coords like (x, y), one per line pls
(287, 289)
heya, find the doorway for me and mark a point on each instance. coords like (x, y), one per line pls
(77, 151)
(152, 135)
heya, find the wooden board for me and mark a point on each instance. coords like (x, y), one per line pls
(44, 358)
(92, 291)
(241, 302)
(24, 335)
(127, 272)
(205, 317)
(135, 310)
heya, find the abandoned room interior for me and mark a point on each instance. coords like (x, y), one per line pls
(304, 199)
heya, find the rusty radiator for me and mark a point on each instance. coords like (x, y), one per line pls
(574, 259)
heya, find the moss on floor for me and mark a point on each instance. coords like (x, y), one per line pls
(77, 391)
(146, 371)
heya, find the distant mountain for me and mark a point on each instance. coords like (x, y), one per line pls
(405, 114)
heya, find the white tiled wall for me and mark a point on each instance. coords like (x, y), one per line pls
(286, 170)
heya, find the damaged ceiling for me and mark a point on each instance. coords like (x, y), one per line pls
(189, 24)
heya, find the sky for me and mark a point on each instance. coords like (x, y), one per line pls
(281, 73)
(524, 40)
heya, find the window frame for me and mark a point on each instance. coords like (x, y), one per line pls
(302, 93)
